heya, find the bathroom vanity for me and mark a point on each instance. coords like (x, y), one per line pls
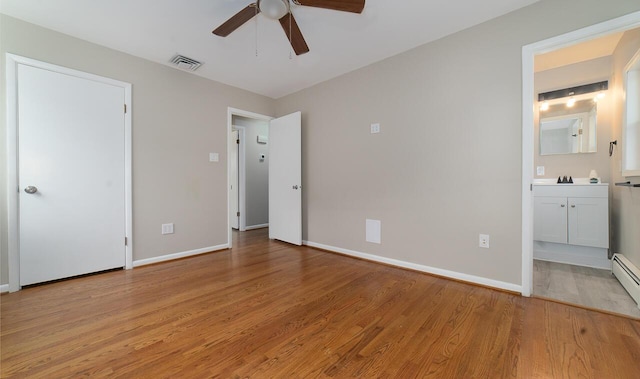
(571, 223)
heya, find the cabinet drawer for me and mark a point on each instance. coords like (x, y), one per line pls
(571, 190)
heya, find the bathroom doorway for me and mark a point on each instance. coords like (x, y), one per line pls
(577, 58)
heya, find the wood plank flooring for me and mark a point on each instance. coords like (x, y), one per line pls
(272, 310)
(586, 286)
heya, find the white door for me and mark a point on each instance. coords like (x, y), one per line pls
(235, 195)
(285, 179)
(71, 152)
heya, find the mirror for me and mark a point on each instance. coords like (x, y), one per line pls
(568, 130)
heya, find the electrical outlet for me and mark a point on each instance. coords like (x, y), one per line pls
(167, 228)
(484, 241)
(540, 170)
(375, 128)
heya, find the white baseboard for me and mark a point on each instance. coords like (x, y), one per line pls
(4, 288)
(259, 226)
(413, 266)
(184, 254)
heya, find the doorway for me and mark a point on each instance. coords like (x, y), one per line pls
(248, 168)
(618, 25)
(69, 152)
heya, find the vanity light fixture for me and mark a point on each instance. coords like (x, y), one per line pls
(573, 93)
(544, 106)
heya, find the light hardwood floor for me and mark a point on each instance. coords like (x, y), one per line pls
(590, 287)
(272, 310)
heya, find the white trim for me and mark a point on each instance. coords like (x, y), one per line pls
(242, 178)
(629, 21)
(184, 254)
(230, 113)
(259, 226)
(624, 172)
(4, 288)
(413, 266)
(12, 62)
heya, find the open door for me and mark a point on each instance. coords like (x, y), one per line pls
(285, 179)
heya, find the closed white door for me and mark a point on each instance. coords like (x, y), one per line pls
(71, 155)
(235, 196)
(285, 179)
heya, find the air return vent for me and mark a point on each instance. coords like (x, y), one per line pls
(185, 63)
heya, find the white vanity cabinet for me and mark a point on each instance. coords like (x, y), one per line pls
(572, 214)
(571, 223)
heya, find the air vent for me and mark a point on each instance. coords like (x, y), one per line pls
(185, 63)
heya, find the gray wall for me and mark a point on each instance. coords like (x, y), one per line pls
(625, 220)
(178, 118)
(447, 163)
(577, 165)
(257, 171)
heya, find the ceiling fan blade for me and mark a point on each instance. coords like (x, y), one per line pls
(297, 40)
(355, 6)
(237, 20)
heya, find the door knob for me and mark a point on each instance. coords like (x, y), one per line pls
(31, 189)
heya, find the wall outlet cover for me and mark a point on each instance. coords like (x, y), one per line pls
(540, 170)
(214, 157)
(483, 241)
(375, 128)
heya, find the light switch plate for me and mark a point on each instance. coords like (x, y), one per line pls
(375, 128)
(167, 228)
(214, 157)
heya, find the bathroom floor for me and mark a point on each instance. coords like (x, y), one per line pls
(590, 287)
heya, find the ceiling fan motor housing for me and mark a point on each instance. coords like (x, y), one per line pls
(274, 9)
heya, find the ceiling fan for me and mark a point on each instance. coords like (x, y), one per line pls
(281, 10)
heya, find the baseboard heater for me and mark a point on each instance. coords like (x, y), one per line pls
(628, 275)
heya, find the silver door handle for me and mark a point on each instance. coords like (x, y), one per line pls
(31, 189)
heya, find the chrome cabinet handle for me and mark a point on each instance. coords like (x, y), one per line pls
(31, 189)
(295, 187)
(573, 206)
(562, 205)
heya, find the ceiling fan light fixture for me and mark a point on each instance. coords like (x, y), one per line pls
(275, 9)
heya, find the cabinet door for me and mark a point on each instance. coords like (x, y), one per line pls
(550, 219)
(589, 221)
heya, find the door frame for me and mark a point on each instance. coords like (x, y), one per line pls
(230, 113)
(626, 22)
(12, 62)
(242, 178)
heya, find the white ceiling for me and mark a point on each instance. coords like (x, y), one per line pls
(339, 42)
